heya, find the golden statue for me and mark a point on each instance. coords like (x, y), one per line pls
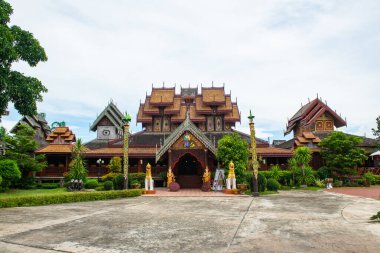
(148, 173)
(206, 176)
(171, 177)
(231, 171)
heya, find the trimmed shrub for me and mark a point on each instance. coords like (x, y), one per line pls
(9, 172)
(48, 186)
(99, 188)
(115, 164)
(324, 172)
(140, 177)
(109, 177)
(369, 178)
(262, 183)
(261, 179)
(66, 198)
(108, 185)
(273, 184)
(91, 184)
(118, 182)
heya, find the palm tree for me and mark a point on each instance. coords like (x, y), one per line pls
(302, 157)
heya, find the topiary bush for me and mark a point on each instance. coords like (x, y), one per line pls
(273, 184)
(140, 177)
(262, 183)
(91, 184)
(109, 177)
(369, 178)
(118, 182)
(9, 172)
(108, 185)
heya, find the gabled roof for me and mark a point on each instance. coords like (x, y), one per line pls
(187, 125)
(310, 112)
(37, 121)
(113, 114)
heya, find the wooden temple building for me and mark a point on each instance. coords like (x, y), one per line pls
(312, 123)
(180, 131)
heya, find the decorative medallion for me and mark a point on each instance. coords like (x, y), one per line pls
(187, 141)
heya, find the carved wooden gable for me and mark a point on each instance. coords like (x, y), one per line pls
(187, 141)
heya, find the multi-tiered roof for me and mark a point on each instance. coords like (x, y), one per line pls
(211, 100)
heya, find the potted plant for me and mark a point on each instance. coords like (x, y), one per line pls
(242, 187)
(135, 184)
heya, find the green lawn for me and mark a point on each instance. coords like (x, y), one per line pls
(19, 193)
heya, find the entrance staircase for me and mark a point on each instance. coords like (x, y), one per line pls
(189, 181)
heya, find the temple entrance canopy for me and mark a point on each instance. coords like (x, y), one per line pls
(188, 151)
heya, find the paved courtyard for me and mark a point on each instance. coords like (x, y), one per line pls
(292, 221)
(369, 192)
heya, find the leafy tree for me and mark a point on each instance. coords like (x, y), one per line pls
(77, 166)
(115, 164)
(376, 131)
(9, 172)
(233, 148)
(21, 147)
(2, 133)
(18, 45)
(341, 154)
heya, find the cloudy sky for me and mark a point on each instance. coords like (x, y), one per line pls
(272, 55)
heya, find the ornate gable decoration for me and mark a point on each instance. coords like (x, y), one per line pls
(188, 141)
(318, 113)
(112, 114)
(187, 127)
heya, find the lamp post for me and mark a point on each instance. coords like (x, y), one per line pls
(255, 163)
(126, 120)
(99, 162)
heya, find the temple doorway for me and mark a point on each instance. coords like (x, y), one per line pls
(188, 171)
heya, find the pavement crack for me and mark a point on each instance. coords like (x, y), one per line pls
(33, 246)
(238, 227)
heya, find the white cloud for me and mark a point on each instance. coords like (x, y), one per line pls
(272, 56)
(8, 124)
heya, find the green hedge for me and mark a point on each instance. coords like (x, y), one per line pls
(66, 198)
(140, 177)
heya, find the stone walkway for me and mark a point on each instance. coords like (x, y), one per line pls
(163, 192)
(368, 192)
(291, 221)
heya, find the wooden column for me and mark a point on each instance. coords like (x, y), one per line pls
(206, 160)
(139, 165)
(170, 159)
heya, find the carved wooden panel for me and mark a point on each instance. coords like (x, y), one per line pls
(157, 124)
(202, 126)
(166, 125)
(210, 123)
(218, 123)
(329, 125)
(319, 126)
(227, 126)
